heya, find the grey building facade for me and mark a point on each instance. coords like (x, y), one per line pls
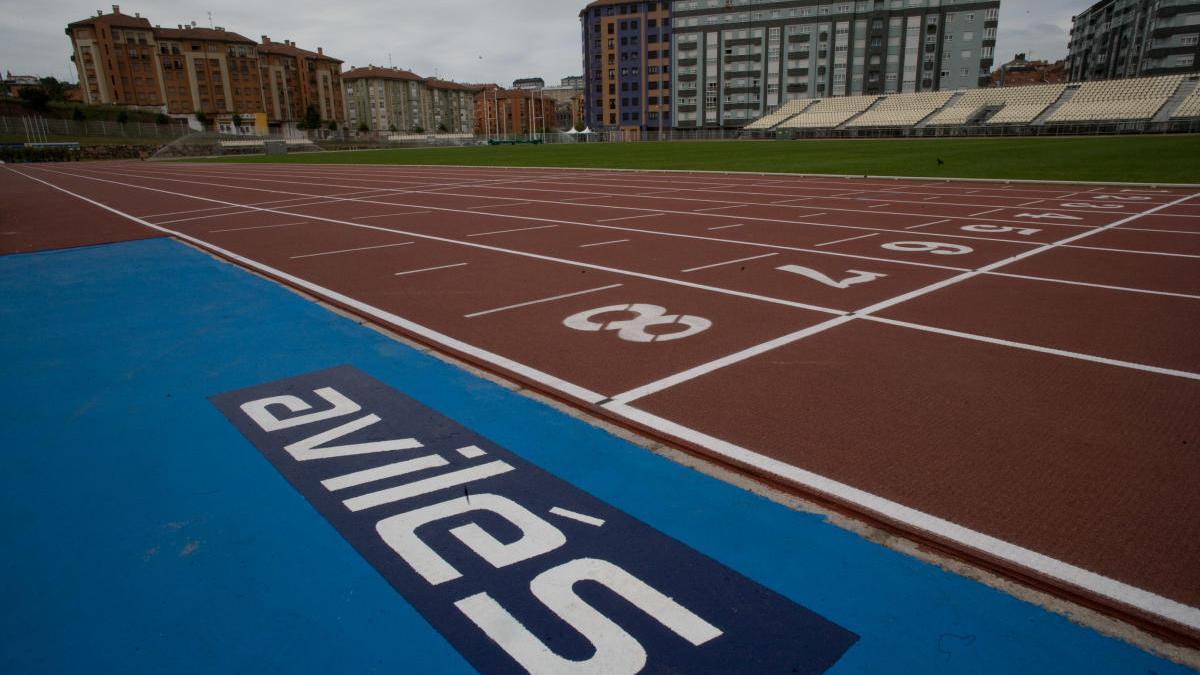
(1114, 39)
(735, 60)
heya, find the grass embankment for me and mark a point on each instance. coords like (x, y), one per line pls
(1148, 159)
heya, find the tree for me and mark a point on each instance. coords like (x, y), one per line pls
(332, 125)
(36, 96)
(77, 114)
(418, 129)
(201, 117)
(161, 118)
(312, 117)
(579, 126)
(392, 128)
(363, 128)
(442, 128)
(122, 117)
(53, 88)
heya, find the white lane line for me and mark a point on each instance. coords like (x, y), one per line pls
(1036, 201)
(258, 227)
(517, 229)
(875, 206)
(455, 344)
(590, 520)
(984, 213)
(584, 224)
(727, 360)
(626, 208)
(526, 254)
(720, 208)
(348, 250)
(1125, 250)
(541, 300)
(728, 262)
(644, 215)
(496, 206)
(1036, 348)
(936, 222)
(207, 215)
(725, 227)
(789, 201)
(312, 201)
(429, 269)
(678, 378)
(389, 215)
(603, 243)
(1094, 285)
(863, 236)
(814, 215)
(331, 197)
(1056, 569)
(929, 199)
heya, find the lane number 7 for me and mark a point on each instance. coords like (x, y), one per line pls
(859, 277)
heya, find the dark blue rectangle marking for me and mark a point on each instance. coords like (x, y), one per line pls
(518, 569)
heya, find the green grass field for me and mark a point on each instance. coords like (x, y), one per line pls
(1149, 159)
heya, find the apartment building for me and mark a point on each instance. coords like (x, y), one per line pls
(386, 99)
(1134, 38)
(124, 60)
(735, 60)
(513, 112)
(208, 70)
(450, 106)
(116, 56)
(295, 78)
(627, 64)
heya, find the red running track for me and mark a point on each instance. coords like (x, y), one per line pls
(1008, 371)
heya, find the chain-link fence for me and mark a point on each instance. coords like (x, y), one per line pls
(37, 129)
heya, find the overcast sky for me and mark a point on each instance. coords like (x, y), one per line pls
(463, 40)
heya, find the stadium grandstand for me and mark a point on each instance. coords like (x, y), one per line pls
(1133, 99)
(1190, 107)
(902, 111)
(1017, 105)
(830, 112)
(1132, 102)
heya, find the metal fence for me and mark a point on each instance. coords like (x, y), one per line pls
(984, 130)
(37, 129)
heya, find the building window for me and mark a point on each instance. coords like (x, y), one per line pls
(1185, 59)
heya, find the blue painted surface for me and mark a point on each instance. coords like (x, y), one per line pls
(143, 533)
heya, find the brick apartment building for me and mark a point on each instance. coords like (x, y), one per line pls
(513, 112)
(294, 78)
(124, 60)
(1021, 71)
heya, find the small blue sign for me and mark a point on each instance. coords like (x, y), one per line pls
(519, 570)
